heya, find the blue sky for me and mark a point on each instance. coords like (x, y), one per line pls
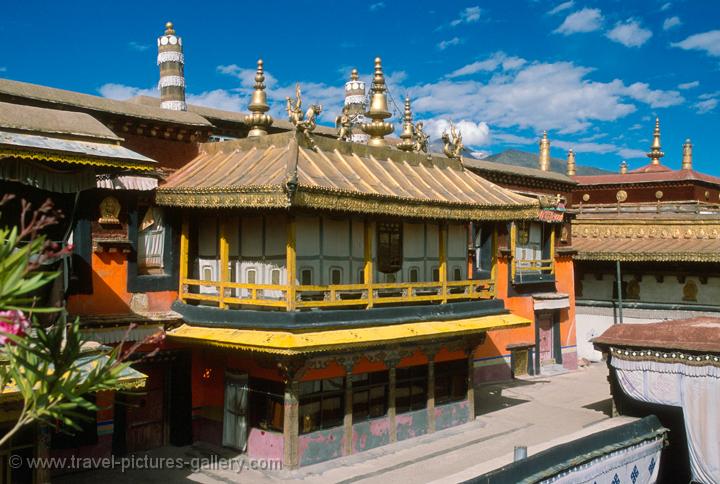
(594, 74)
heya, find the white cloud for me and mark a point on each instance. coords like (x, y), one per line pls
(585, 20)
(630, 153)
(706, 41)
(689, 85)
(706, 106)
(488, 65)
(671, 22)
(138, 46)
(448, 43)
(561, 7)
(629, 33)
(376, 6)
(655, 98)
(246, 75)
(473, 134)
(557, 96)
(122, 92)
(467, 16)
(665, 6)
(709, 95)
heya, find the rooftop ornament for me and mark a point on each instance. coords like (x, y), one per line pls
(408, 129)
(544, 160)
(343, 124)
(304, 123)
(377, 128)
(453, 145)
(571, 163)
(655, 152)
(258, 119)
(623, 167)
(687, 155)
(421, 138)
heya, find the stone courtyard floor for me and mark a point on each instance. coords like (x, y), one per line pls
(533, 412)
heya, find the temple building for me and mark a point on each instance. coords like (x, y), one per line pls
(648, 244)
(546, 297)
(324, 291)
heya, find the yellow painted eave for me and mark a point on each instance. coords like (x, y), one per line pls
(287, 343)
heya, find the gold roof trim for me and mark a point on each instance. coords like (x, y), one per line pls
(74, 159)
(290, 344)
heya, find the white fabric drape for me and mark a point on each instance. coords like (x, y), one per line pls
(151, 243)
(695, 388)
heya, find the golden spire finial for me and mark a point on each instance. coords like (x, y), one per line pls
(258, 120)
(354, 75)
(571, 162)
(544, 159)
(169, 29)
(378, 112)
(407, 136)
(655, 152)
(687, 155)
(623, 167)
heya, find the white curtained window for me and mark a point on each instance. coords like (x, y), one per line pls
(151, 242)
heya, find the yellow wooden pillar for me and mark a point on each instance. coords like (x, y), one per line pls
(184, 248)
(291, 262)
(442, 256)
(368, 262)
(552, 249)
(513, 242)
(494, 260)
(224, 261)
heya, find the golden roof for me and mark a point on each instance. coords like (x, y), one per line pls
(275, 172)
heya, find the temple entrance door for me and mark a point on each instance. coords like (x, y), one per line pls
(236, 404)
(146, 426)
(544, 321)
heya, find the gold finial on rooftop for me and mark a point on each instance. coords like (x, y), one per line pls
(544, 159)
(378, 112)
(571, 163)
(354, 75)
(687, 160)
(258, 119)
(655, 152)
(623, 167)
(169, 30)
(408, 131)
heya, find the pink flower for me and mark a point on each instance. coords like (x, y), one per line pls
(12, 322)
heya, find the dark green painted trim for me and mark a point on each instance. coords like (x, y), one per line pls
(303, 320)
(553, 461)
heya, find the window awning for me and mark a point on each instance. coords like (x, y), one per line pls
(287, 343)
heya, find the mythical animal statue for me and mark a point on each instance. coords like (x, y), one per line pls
(343, 124)
(453, 145)
(294, 107)
(421, 138)
(304, 123)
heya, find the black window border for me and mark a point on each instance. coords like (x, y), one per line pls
(444, 370)
(321, 395)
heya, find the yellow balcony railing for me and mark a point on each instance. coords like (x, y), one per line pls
(328, 296)
(534, 265)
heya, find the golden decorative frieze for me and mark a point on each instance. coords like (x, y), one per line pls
(694, 230)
